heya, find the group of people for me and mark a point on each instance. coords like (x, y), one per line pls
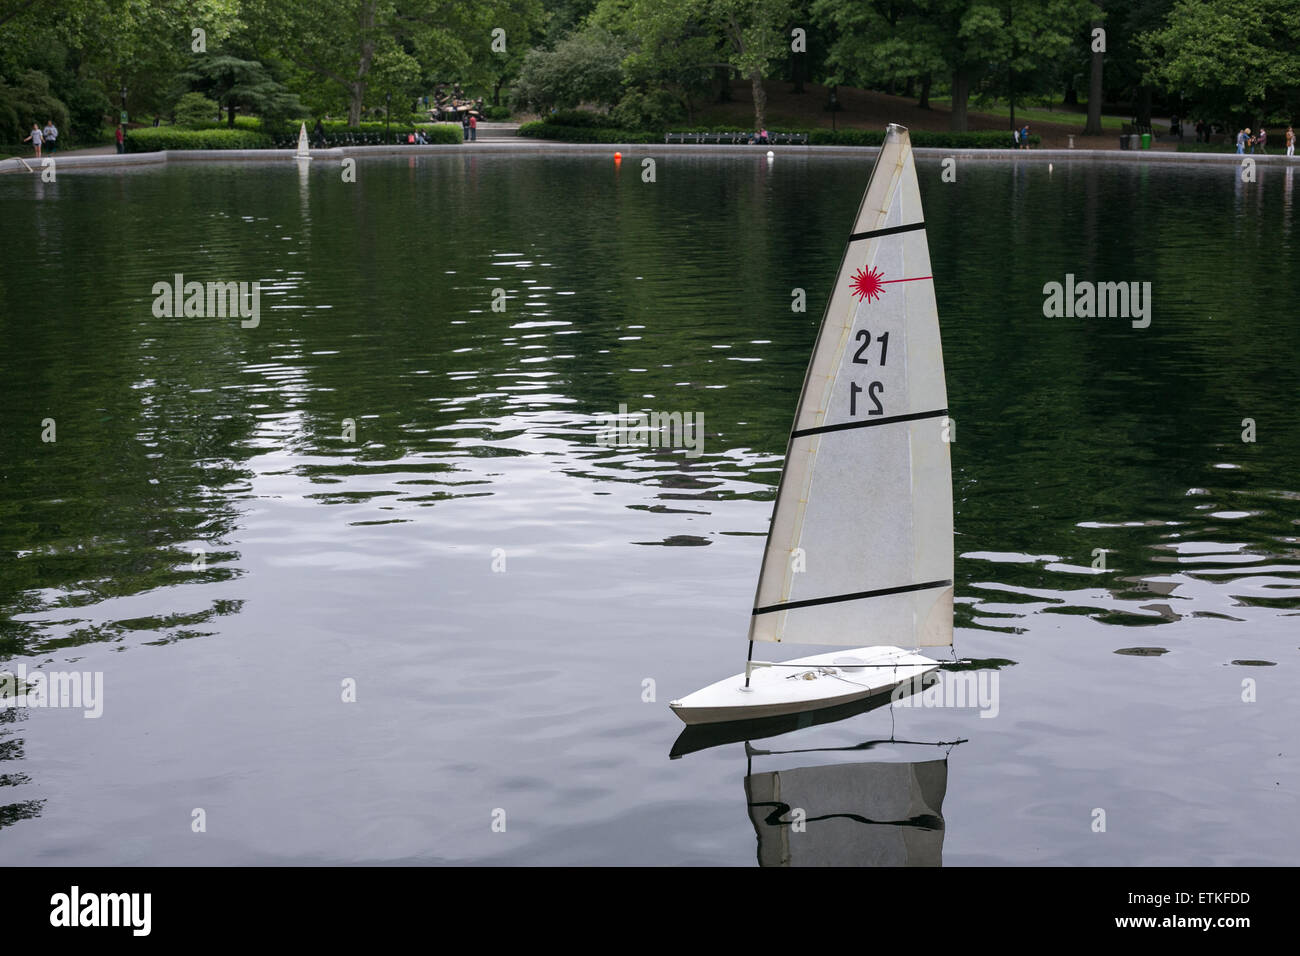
(47, 137)
(469, 121)
(1022, 136)
(1246, 140)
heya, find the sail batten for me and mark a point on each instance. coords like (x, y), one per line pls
(860, 548)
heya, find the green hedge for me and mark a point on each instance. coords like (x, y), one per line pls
(583, 119)
(1227, 147)
(980, 139)
(581, 134)
(149, 139)
(730, 129)
(497, 114)
(152, 138)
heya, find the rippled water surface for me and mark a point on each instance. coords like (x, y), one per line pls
(500, 586)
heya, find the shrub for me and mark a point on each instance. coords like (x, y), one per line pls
(449, 133)
(497, 114)
(195, 111)
(730, 129)
(579, 134)
(657, 110)
(152, 138)
(1219, 147)
(27, 102)
(584, 119)
(979, 139)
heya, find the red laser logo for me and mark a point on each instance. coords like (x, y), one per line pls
(870, 284)
(867, 284)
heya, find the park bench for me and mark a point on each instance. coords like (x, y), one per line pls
(736, 138)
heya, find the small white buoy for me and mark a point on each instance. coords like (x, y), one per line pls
(771, 155)
(1049, 167)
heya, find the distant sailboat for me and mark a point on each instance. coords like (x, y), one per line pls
(860, 550)
(304, 152)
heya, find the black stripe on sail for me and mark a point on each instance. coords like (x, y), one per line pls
(868, 422)
(813, 602)
(888, 231)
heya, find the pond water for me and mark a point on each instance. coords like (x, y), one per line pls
(208, 533)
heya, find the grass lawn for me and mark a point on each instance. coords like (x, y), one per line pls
(1035, 114)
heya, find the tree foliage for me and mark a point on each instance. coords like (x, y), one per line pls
(1240, 58)
(587, 67)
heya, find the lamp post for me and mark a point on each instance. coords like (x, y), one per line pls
(388, 105)
(123, 91)
(835, 105)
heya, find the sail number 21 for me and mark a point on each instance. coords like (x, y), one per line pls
(875, 388)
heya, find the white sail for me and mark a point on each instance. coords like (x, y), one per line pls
(860, 548)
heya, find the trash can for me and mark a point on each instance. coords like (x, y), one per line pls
(1123, 140)
(1146, 140)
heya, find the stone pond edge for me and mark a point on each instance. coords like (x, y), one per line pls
(632, 151)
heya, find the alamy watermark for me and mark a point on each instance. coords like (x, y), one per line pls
(211, 300)
(959, 689)
(62, 689)
(654, 430)
(1087, 300)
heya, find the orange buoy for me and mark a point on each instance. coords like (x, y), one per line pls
(618, 157)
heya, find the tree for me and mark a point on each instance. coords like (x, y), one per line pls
(1095, 93)
(341, 42)
(236, 83)
(747, 36)
(1237, 57)
(587, 67)
(882, 44)
(755, 33)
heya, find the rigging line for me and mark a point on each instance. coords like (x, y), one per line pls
(813, 667)
(865, 745)
(882, 592)
(868, 422)
(887, 231)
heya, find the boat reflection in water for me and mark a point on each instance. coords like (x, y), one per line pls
(853, 814)
(865, 813)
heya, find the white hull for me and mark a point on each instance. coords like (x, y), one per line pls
(804, 684)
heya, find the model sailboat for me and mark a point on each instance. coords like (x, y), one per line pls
(860, 548)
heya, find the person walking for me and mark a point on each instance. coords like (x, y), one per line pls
(464, 122)
(1241, 141)
(1263, 140)
(1024, 136)
(1290, 141)
(51, 136)
(36, 137)
(473, 128)
(121, 139)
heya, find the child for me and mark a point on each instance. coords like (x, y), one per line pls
(1290, 141)
(36, 138)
